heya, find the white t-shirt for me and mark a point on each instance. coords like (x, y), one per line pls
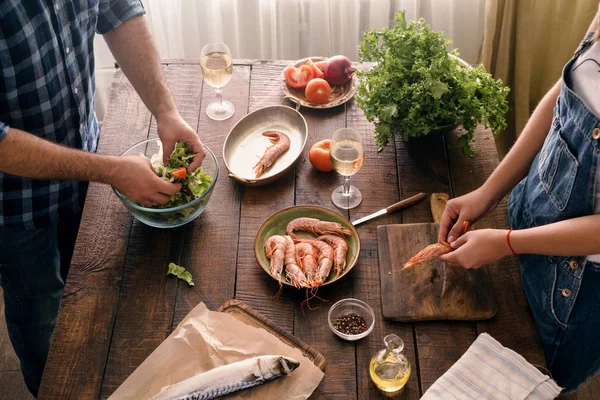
(585, 78)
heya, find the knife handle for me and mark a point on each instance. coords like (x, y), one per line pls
(405, 203)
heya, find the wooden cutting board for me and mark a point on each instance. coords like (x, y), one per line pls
(248, 315)
(432, 290)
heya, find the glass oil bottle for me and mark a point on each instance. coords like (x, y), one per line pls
(389, 369)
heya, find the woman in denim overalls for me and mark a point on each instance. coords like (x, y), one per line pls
(555, 216)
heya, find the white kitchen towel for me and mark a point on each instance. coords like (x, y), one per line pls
(491, 371)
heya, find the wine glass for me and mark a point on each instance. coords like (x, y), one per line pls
(347, 155)
(217, 68)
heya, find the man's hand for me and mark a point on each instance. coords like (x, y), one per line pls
(134, 178)
(173, 129)
(477, 248)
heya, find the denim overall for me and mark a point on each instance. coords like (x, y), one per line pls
(563, 292)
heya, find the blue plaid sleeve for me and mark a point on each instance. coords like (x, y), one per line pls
(3, 130)
(112, 13)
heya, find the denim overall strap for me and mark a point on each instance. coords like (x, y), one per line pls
(560, 185)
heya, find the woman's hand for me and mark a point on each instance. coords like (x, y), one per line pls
(134, 178)
(477, 248)
(470, 207)
(173, 129)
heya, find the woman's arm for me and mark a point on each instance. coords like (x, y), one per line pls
(482, 201)
(572, 237)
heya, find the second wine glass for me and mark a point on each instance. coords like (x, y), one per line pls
(347, 155)
(217, 68)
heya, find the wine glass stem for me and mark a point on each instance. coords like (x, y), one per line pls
(220, 97)
(346, 185)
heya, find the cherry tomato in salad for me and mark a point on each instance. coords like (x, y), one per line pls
(298, 77)
(179, 173)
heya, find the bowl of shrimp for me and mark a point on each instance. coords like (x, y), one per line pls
(264, 145)
(307, 246)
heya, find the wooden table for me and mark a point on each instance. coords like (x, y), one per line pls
(119, 306)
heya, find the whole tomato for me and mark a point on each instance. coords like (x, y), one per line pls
(317, 90)
(319, 156)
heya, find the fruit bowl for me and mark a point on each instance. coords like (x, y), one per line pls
(339, 94)
(175, 216)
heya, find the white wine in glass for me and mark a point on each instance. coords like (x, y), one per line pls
(347, 156)
(217, 68)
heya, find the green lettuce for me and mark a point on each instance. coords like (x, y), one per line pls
(197, 182)
(415, 87)
(181, 273)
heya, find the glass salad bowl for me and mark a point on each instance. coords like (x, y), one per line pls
(174, 216)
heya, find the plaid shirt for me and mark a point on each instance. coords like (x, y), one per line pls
(47, 89)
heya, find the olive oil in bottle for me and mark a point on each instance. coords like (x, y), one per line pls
(389, 368)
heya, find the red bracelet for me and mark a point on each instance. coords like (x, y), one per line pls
(508, 241)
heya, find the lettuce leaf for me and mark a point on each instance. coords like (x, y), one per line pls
(181, 273)
(197, 181)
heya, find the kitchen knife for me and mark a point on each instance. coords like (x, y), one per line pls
(394, 207)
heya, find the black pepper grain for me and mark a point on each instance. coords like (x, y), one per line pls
(350, 324)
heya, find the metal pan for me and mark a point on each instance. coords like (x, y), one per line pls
(244, 144)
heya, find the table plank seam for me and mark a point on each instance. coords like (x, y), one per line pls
(116, 310)
(237, 253)
(450, 177)
(417, 367)
(178, 285)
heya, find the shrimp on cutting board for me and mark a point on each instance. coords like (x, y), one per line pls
(432, 251)
(280, 144)
(428, 253)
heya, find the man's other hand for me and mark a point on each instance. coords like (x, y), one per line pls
(134, 178)
(173, 129)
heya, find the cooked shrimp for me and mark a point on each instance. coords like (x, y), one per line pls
(296, 276)
(316, 226)
(428, 253)
(292, 270)
(281, 143)
(307, 259)
(433, 250)
(325, 259)
(276, 247)
(340, 249)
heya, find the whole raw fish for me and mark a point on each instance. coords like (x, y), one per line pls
(230, 378)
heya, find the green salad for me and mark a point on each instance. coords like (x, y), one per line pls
(193, 184)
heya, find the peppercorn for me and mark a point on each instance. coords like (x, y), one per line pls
(351, 324)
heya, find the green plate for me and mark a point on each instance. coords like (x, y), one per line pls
(276, 224)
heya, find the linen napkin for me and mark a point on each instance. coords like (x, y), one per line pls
(489, 370)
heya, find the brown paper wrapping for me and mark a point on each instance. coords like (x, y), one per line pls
(206, 339)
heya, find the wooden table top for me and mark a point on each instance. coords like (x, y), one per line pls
(119, 305)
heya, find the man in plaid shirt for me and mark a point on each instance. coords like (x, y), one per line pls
(48, 136)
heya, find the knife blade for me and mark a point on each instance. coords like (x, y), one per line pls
(394, 207)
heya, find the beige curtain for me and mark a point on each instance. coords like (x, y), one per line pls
(526, 43)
